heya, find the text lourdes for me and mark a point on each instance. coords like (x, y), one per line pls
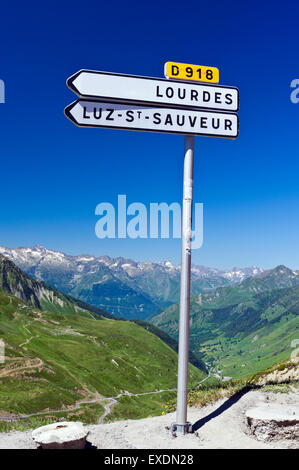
(195, 95)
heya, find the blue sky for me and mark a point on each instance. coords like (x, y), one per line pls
(53, 174)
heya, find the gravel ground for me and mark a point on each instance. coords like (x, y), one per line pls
(221, 427)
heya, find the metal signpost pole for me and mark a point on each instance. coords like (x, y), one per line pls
(182, 425)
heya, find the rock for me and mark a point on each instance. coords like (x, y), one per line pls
(289, 373)
(274, 422)
(61, 435)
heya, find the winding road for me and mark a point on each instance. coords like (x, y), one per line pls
(107, 406)
(111, 401)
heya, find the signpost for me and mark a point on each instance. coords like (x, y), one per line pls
(163, 105)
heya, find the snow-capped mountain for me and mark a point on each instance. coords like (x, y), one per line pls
(121, 286)
(233, 275)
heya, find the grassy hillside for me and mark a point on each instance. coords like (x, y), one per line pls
(243, 329)
(53, 360)
(172, 343)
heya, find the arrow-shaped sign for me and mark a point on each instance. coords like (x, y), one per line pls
(146, 118)
(155, 91)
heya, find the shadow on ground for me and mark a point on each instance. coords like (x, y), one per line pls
(225, 406)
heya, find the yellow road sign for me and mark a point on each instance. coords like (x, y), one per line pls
(199, 73)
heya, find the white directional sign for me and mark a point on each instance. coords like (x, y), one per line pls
(146, 118)
(145, 90)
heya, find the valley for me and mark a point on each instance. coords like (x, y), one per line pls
(244, 328)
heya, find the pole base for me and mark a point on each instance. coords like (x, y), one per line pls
(181, 428)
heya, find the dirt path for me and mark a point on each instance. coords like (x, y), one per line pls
(30, 338)
(11, 372)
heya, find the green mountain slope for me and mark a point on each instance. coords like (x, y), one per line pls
(172, 343)
(41, 295)
(240, 330)
(52, 360)
(117, 296)
(277, 278)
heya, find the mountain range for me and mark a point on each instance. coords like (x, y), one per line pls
(122, 287)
